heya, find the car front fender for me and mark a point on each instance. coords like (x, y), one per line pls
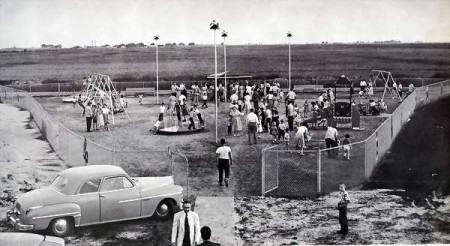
(41, 217)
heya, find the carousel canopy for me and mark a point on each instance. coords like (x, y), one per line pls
(343, 82)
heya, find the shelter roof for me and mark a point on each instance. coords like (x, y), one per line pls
(343, 82)
(229, 76)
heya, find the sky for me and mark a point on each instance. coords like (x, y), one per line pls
(30, 23)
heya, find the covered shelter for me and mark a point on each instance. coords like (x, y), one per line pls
(343, 109)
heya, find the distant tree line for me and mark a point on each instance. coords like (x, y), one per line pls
(132, 45)
(51, 46)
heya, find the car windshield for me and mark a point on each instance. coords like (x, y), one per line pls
(60, 183)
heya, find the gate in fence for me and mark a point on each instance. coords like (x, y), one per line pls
(289, 173)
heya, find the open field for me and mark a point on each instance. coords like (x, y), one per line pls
(195, 62)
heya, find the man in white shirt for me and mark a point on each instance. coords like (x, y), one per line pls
(331, 138)
(182, 99)
(234, 98)
(186, 227)
(290, 115)
(252, 121)
(225, 161)
(301, 137)
(320, 100)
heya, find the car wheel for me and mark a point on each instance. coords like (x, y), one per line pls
(62, 227)
(164, 210)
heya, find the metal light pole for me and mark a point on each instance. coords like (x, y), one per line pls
(289, 35)
(215, 26)
(224, 35)
(156, 38)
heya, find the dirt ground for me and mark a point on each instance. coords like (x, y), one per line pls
(375, 217)
(245, 180)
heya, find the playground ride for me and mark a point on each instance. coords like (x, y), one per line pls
(386, 78)
(172, 126)
(99, 89)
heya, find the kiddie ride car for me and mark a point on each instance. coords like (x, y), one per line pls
(91, 195)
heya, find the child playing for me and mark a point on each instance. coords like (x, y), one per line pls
(191, 119)
(286, 139)
(140, 98)
(346, 146)
(274, 132)
(229, 126)
(156, 127)
(281, 130)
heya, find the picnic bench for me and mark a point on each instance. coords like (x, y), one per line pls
(140, 91)
(308, 88)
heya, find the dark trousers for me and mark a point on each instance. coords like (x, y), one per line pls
(330, 144)
(343, 218)
(268, 123)
(88, 123)
(192, 124)
(204, 104)
(200, 119)
(160, 116)
(255, 104)
(276, 120)
(252, 131)
(281, 134)
(224, 165)
(291, 123)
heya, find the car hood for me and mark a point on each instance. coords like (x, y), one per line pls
(153, 182)
(38, 197)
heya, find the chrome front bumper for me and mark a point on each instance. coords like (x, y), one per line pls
(15, 221)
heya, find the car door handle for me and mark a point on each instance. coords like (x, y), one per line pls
(102, 196)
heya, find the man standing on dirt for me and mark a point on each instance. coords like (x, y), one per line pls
(186, 227)
(89, 114)
(252, 122)
(224, 162)
(344, 199)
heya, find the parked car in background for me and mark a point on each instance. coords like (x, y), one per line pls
(29, 239)
(91, 195)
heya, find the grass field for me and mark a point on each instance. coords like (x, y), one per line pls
(195, 62)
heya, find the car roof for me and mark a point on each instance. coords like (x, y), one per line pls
(76, 175)
(93, 171)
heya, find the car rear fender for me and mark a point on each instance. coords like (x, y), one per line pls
(152, 197)
(42, 216)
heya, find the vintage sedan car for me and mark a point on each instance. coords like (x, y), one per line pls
(29, 239)
(91, 195)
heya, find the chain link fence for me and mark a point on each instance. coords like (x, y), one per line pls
(287, 173)
(76, 150)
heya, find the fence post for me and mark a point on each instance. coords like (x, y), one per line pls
(59, 90)
(319, 171)
(263, 173)
(114, 156)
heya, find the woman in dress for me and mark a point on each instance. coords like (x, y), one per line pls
(236, 123)
(247, 103)
(100, 121)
